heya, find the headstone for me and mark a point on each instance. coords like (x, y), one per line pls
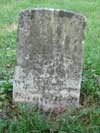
(49, 58)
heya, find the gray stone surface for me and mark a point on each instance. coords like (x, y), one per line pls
(49, 58)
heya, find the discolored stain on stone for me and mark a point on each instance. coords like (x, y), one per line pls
(60, 71)
(59, 31)
(32, 14)
(67, 40)
(64, 14)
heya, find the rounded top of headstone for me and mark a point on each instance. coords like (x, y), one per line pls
(59, 12)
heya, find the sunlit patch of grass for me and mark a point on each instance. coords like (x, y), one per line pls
(7, 53)
(9, 28)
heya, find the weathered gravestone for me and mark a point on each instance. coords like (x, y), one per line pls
(49, 58)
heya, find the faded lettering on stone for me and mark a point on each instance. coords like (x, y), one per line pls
(49, 57)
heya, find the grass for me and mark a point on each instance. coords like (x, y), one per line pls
(90, 89)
